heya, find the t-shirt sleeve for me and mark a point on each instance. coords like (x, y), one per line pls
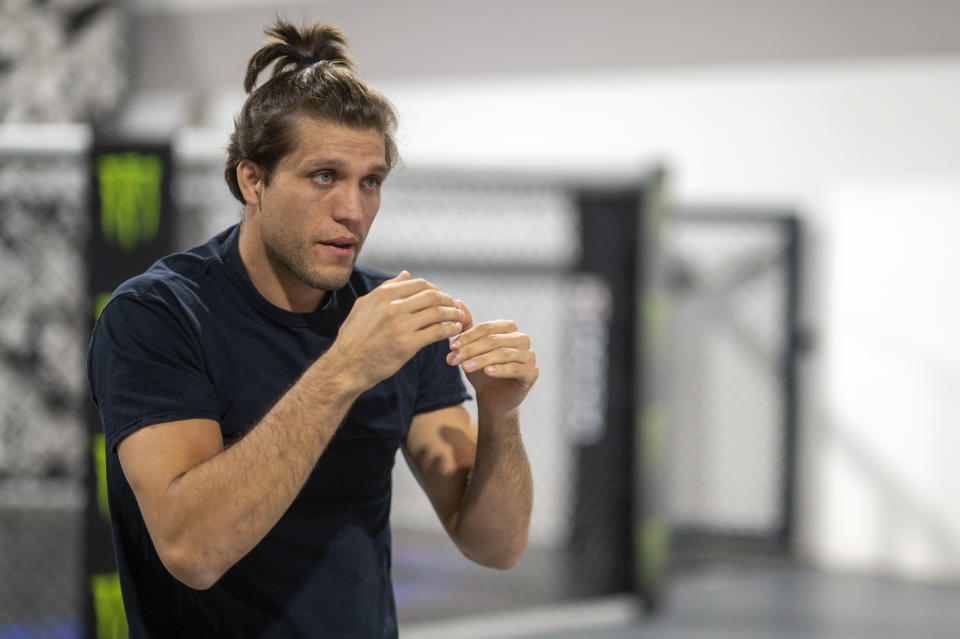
(440, 385)
(145, 366)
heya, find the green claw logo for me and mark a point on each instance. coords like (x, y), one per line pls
(130, 197)
(108, 606)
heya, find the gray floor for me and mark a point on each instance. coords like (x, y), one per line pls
(797, 603)
(441, 595)
(40, 566)
(433, 581)
(728, 600)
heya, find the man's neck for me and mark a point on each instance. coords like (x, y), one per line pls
(272, 280)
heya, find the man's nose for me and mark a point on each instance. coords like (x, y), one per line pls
(349, 204)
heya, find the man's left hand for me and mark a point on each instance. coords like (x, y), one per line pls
(498, 361)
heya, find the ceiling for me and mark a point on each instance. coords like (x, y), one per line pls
(203, 46)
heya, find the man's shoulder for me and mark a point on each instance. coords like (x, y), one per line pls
(183, 276)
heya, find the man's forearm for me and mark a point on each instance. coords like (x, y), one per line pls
(227, 504)
(494, 517)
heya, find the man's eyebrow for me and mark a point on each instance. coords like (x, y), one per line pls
(324, 163)
(336, 163)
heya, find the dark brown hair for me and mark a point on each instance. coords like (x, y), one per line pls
(312, 75)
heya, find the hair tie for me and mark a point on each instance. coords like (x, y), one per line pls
(307, 61)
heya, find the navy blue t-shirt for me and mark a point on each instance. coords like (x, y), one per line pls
(193, 338)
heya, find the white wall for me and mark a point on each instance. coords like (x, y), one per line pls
(786, 132)
(887, 477)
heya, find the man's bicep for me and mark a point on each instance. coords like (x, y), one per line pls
(153, 457)
(440, 448)
(145, 368)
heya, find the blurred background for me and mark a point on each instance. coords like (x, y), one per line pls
(727, 227)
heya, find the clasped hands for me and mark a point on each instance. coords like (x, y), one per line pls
(390, 324)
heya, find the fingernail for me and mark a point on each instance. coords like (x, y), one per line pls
(459, 327)
(469, 365)
(461, 312)
(455, 344)
(453, 358)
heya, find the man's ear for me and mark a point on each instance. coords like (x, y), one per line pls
(250, 180)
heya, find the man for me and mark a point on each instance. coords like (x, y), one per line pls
(254, 390)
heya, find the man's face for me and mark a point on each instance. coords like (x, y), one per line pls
(317, 210)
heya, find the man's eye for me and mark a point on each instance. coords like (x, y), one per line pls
(324, 177)
(371, 181)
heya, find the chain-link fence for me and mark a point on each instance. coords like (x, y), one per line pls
(733, 393)
(64, 61)
(43, 333)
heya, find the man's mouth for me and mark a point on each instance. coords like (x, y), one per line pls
(340, 245)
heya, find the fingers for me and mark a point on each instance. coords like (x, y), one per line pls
(418, 305)
(511, 348)
(400, 277)
(426, 298)
(403, 286)
(526, 374)
(426, 307)
(438, 331)
(391, 323)
(495, 347)
(489, 335)
(498, 349)
(502, 361)
(467, 315)
(446, 315)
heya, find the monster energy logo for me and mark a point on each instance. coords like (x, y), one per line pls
(108, 607)
(130, 197)
(107, 600)
(98, 448)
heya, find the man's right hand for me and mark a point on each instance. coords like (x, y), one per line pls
(390, 324)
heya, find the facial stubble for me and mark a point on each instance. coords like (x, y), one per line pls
(298, 263)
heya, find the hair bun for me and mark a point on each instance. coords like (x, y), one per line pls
(292, 49)
(312, 76)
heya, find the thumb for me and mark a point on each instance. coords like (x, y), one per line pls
(402, 276)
